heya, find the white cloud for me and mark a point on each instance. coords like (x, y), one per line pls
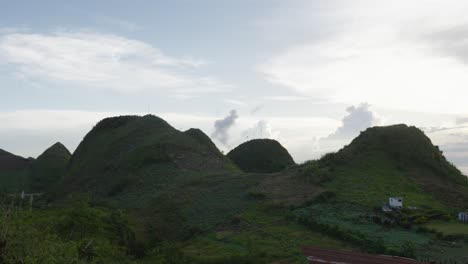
(285, 98)
(395, 54)
(262, 129)
(104, 61)
(358, 119)
(235, 102)
(222, 127)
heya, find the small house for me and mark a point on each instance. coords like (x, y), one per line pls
(395, 202)
(463, 216)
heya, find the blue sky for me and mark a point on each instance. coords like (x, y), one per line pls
(297, 71)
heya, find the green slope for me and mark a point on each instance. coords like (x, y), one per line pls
(392, 161)
(261, 155)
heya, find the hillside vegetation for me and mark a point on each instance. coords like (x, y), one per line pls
(136, 190)
(120, 153)
(395, 161)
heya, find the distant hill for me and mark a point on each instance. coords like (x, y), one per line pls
(14, 172)
(261, 155)
(124, 152)
(49, 167)
(9, 161)
(394, 161)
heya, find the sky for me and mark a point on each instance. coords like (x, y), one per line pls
(310, 74)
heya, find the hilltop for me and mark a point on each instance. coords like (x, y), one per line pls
(261, 156)
(49, 167)
(124, 152)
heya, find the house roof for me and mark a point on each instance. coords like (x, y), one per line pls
(320, 255)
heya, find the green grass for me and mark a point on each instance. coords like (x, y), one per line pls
(372, 179)
(449, 228)
(266, 232)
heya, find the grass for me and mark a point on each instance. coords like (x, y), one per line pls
(372, 179)
(266, 232)
(449, 228)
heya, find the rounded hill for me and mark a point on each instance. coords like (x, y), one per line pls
(261, 155)
(125, 151)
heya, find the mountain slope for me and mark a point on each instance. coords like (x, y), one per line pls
(9, 161)
(14, 172)
(261, 155)
(128, 151)
(49, 167)
(395, 161)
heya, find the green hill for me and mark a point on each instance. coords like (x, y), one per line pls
(49, 167)
(261, 155)
(121, 153)
(392, 161)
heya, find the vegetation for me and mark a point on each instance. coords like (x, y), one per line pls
(137, 190)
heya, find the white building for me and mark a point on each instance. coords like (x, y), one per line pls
(463, 216)
(395, 202)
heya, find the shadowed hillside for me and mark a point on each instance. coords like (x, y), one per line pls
(9, 162)
(49, 167)
(14, 172)
(261, 155)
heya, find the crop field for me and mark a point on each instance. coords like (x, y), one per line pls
(260, 230)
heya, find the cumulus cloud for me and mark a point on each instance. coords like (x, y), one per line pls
(106, 61)
(406, 55)
(262, 129)
(358, 119)
(222, 127)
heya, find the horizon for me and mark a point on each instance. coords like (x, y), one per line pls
(310, 74)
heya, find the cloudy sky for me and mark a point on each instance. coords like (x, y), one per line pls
(311, 74)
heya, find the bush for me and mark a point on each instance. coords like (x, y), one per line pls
(420, 220)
